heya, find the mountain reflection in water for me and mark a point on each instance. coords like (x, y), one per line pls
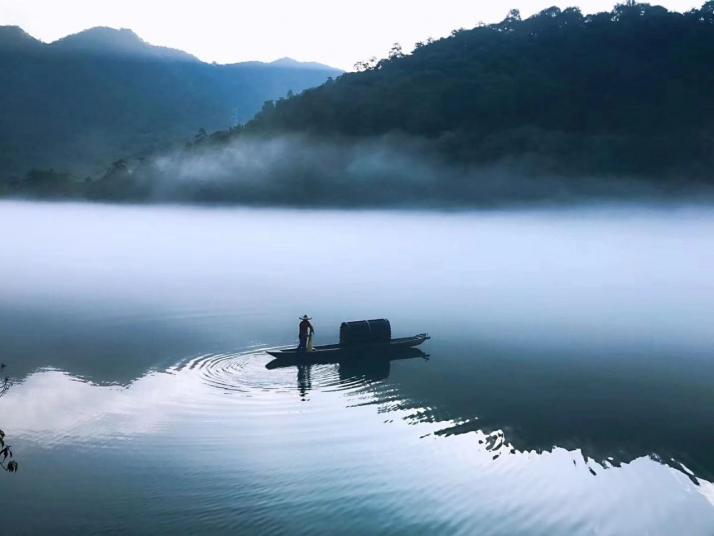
(612, 412)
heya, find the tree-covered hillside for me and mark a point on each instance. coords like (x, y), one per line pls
(557, 106)
(624, 92)
(82, 102)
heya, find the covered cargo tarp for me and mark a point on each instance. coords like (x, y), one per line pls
(365, 332)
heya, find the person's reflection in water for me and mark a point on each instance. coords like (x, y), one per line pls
(304, 381)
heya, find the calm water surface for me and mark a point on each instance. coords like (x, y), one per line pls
(568, 388)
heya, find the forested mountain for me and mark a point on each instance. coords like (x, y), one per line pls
(629, 91)
(557, 106)
(81, 102)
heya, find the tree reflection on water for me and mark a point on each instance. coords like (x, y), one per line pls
(7, 462)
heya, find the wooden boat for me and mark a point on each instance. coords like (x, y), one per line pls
(365, 362)
(340, 350)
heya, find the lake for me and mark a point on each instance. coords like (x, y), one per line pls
(567, 389)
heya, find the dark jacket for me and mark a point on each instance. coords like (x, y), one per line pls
(306, 328)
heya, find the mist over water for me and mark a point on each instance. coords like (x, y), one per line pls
(392, 170)
(568, 389)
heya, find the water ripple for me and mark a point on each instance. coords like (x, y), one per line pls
(244, 372)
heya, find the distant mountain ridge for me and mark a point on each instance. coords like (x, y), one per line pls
(283, 63)
(89, 98)
(123, 42)
(15, 38)
(289, 62)
(112, 42)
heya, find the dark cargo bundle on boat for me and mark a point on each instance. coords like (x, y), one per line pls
(365, 332)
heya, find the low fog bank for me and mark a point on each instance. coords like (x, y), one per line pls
(385, 171)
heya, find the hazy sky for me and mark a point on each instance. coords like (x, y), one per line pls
(330, 31)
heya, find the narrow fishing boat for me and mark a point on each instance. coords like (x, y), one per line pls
(360, 338)
(365, 361)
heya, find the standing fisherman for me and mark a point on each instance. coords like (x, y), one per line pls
(306, 330)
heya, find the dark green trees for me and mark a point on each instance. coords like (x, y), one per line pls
(623, 92)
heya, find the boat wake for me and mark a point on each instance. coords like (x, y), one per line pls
(245, 372)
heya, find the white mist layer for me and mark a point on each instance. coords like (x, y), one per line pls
(391, 170)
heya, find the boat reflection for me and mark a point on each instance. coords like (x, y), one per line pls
(364, 369)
